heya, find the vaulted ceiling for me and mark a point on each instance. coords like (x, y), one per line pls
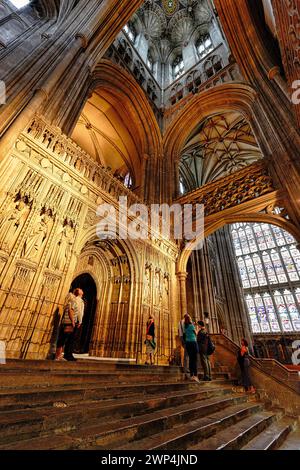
(221, 145)
(104, 132)
(172, 20)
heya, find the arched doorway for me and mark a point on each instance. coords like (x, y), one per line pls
(87, 284)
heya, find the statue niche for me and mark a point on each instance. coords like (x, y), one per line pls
(157, 287)
(147, 285)
(35, 241)
(62, 249)
(11, 223)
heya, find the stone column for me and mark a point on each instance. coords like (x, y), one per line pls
(40, 95)
(182, 277)
(274, 124)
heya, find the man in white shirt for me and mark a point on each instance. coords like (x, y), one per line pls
(76, 299)
(184, 354)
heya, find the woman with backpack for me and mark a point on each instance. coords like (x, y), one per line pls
(190, 339)
(203, 344)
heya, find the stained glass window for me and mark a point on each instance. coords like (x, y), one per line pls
(269, 264)
(128, 181)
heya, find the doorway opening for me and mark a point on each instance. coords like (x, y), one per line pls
(87, 284)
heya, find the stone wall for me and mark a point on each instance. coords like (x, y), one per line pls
(50, 193)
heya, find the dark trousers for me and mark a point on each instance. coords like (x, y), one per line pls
(69, 347)
(63, 338)
(205, 362)
(245, 370)
(192, 350)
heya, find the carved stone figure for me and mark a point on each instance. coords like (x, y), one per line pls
(11, 222)
(62, 248)
(166, 291)
(157, 288)
(147, 286)
(36, 239)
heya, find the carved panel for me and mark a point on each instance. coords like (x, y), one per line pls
(242, 186)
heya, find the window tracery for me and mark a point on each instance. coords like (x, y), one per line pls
(269, 265)
(178, 67)
(204, 45)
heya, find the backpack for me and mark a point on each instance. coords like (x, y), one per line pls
(210, 349)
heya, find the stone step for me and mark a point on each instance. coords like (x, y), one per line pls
(147, 426)
(234, 437)
(22, 424)
(185, 435)
(82, 364)
(292, 441)
(108, 434)
(9, 382)
(272, 437)
(93, 365)
(34, 398)
(90, 373)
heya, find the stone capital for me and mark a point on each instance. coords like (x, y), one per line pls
(182, 276)
(273, 72)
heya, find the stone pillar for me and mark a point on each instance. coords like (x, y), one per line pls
(238, 324)
(54, 59)
(203, 287)
(182, 277)
(274, 124)
(40, 95)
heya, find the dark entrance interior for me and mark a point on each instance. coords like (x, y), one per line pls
(87, 284)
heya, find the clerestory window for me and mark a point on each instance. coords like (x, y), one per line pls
(20, 3)
(204, 46)
(130, 33)
(178, 67)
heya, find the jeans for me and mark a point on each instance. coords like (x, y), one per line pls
(192, 350)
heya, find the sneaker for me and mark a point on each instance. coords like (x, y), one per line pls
(195, 379)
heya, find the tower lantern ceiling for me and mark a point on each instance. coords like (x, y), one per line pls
(164, 30)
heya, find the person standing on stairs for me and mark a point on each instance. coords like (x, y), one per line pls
(202, 339)
(244, 363)
(67, 325)
(150, 341)
(184, 354)
(190, 338)
(68, 354)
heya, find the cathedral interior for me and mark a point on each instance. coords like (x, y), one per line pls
(162, 102)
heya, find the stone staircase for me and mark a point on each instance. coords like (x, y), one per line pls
(95, 405)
